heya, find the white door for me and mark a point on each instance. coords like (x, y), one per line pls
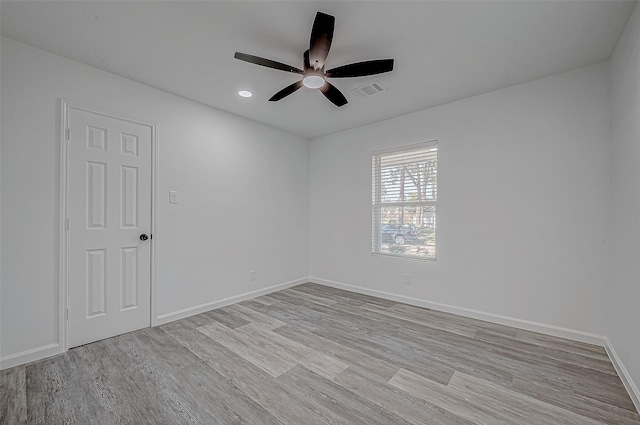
(109, 217)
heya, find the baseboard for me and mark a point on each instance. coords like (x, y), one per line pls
(29, 356)
(624, 375)
(527, 325)
(191, 311)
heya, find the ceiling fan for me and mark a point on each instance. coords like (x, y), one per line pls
(314, 75)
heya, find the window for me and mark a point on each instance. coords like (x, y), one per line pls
(404, 198)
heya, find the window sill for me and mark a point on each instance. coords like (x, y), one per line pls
(404, 257)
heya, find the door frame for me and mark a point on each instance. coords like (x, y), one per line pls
(63, 280)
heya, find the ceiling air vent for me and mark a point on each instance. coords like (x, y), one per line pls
(369, 89)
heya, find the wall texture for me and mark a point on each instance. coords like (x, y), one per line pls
(623, 285)
(242, 189)
(523, 202)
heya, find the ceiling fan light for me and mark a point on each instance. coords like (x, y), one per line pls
(313, 81)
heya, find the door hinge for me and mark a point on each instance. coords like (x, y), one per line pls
(68, 135)
(67, 313)
(67, 223)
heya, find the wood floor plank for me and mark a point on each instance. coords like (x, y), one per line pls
(220, 398)
(293, 312)
(422, 345)
(452, 318)
(381, 370)
(422, 320)
(423, 365)
(54, 396)
(280, 400)
(319, 355)
(574, 380)
(341, 405)
(229, 319)
(511, 406)
(439, 395)
(253, 316)
(287, 294)
(348, 297)
(162, 359)
(563, 344)
(164, 405)
(577, 403)
(412, 409)
(98, 379)
(161, 349)
(13, 396)
(255, 352)
(192, 392)
(265, 299)
(316, 361)
(616, 394)
(198, 320)
(330, 294)
(496, 362)
(552, 353)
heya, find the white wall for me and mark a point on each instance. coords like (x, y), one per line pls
(623, 288)
(523, 202)
(242, 185)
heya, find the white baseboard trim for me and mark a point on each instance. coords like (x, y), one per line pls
(29, 356)
(527, 325)
(191, 311)
(631, 387)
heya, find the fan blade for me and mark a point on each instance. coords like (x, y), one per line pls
(333, 94)
(321, 36)
(361, 69)
(267, 62)
(286, 91)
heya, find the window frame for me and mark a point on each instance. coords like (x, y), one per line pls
(377, 204)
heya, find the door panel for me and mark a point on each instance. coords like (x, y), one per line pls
(109, 208)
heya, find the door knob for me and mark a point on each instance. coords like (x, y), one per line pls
(144, 237)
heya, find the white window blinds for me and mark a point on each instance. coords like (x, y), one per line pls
(404, 197)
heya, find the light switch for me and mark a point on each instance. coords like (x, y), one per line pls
(173, 197)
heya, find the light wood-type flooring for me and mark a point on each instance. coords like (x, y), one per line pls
(318, 355)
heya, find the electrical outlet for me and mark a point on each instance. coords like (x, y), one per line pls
(252, 275)
(407, 278)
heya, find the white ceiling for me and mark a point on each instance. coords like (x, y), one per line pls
(443, 50)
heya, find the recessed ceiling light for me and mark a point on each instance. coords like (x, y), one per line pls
(245, 93)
